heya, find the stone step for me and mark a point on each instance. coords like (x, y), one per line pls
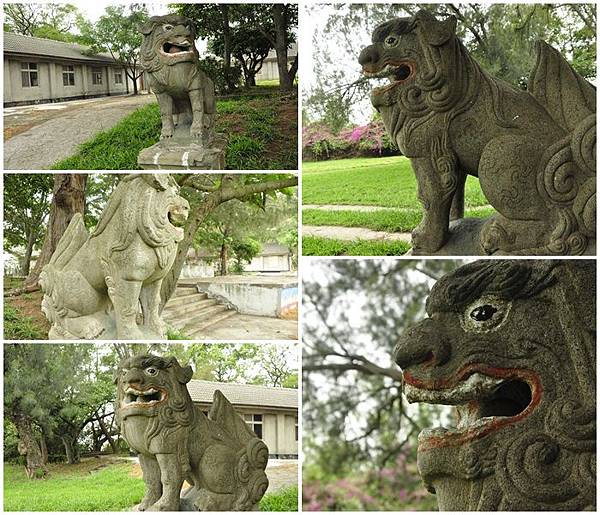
(186, 289)
(198, 318)
(185, 299)
(192, 307)
(198, 328)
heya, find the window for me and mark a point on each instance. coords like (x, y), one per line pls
(296, 428)
(29, 75)
(256, 423)
(118, 77)
(96, 76)
(68, 75)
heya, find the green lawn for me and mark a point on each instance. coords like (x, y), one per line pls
(262, 134)
(73, 488)
(94, 485)
(314, 246)
(380, 181)
(385, 182)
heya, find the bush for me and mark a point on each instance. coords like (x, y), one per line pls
(370, 140)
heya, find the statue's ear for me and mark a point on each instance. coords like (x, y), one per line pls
(160, 181)
(435, 32)
(116, 375)
(182, 374)
(147, 28)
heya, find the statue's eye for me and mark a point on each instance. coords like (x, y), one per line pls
(482, 313)
(151, 371)
(391, 41)
(485, 314)
(168, 27)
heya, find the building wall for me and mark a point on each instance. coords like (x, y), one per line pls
(273, 263)
(50, 81)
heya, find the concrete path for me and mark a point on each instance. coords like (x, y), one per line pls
(352, 233)
(38, 136)
(281, 474)
(249, 327)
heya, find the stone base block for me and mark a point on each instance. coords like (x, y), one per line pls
(184, 154)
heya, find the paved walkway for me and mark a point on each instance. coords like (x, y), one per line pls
(367, 209)
(282, 474)
(249, 327)
(37, 136)
(352, 233)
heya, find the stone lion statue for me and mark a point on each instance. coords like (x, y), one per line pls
(533, 151)
(218, 455)
(98, 285)
(512, 346)
(170, 59)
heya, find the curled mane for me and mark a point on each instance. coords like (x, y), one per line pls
(136, 207)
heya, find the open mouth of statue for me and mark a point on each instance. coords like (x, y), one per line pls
(395, 73)
(180, 47)
(144, 398)
(485, 400)
(177, 217)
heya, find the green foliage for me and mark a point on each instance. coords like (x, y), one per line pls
(11, 441)
(176, 334)
(315, 246)
(20, 327)
(110, 488)
(26, 208)
(117, 32)
(283, 500)
(215, 69)
(251, 123)
(244, 251)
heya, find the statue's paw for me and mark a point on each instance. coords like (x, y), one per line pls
(426, 241)
(164, 506)
(131, 333)
(166, 135)
(196, 132)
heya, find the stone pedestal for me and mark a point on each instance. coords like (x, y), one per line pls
(184, 153)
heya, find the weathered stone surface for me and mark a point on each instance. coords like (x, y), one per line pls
(185, 94)
(533, 151)
(184, 154)
(512, 345)
(95, 285)
(219, 456)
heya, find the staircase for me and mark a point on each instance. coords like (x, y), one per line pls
(192, 312)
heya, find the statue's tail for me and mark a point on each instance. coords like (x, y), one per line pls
(252, 455)
(71, 241)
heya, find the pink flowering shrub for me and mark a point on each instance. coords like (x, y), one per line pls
(397, 487)
(319, 143)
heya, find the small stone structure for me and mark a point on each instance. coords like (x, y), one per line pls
(219, 456)
(186, 97)
(533, 151)
(512, 345)
(107, 285)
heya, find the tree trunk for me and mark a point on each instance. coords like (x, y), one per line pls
(106, 433)
(199, 214)
(281, 46)
(70, 449)
(27, 257)
(35, 467)
(44, 447)
(68, 198)
(227, 46)
(135, 86)
(223, 259)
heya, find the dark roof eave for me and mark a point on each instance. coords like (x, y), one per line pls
(102, 60)
(253, 406)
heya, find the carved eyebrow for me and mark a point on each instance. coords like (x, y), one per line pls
(397, 26)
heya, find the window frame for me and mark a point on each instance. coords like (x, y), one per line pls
(68, 74)
(97, 77)
(29, 69)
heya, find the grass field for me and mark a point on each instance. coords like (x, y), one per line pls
(387, 182)
(262, 132)
(94, 485)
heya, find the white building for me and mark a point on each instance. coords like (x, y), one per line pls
(40, 70)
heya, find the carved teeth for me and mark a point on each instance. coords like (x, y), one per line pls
(476, 386)
(145, 397)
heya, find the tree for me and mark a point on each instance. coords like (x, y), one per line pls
(68, 198)
(117, 32)
(26, 208)
(278, 366)
(213, 21)
(51, 21)
(354, 311)
(206, 192)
